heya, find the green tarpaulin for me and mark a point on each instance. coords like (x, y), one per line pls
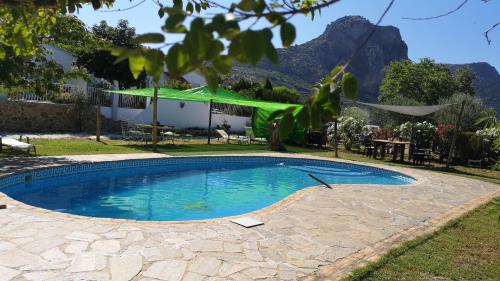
(203, 94)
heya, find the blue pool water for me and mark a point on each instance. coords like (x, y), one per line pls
(189, 188)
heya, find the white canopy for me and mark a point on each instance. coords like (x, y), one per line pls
(413, 110)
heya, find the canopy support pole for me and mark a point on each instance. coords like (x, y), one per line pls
(210, 121)
(455, 132)
(335, 138)
(154, 131)
(98, 118)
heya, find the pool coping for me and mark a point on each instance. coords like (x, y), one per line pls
(288, 200)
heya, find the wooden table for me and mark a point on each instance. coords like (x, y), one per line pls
(397, 147)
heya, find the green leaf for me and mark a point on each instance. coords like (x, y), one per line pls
(136, 63)
(246, 5)
(303, 117)
(121, 53)
(161, 12)
(150, 38)
(335, 71)
(350, 86)
(287, 33)
(2, 53)
(275, 18)
(236, 50)
(154, 63)
(223, 64)
(259, 7)
(253, 45)
(211, 77)
(286, 126)
(177, 60)
(189, 8)
(272, 54)
(315, 117)
(197, 7)
(173, 24)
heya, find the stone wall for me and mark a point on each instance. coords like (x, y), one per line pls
(17, 116)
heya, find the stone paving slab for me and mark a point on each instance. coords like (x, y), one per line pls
(313, 234)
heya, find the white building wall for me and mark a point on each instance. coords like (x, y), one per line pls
(66, 60)
(192, 114)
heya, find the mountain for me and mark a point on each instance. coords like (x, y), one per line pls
(303, 65)
(486, 84)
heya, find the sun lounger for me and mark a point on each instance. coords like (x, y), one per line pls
(251, 136)
(14, 144)
(228, 138)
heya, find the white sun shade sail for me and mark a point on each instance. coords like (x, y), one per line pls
(412, 110)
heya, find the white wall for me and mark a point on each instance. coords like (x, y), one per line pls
(66, 60)
(193, 114)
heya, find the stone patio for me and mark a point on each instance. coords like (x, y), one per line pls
(315, 233)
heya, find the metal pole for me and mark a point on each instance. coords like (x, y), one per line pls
(335, 138)
(455, 132)
(155, 116)
(210, 120)
(98, 118)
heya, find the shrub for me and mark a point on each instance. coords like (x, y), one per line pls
(350, 130)
(425, 132)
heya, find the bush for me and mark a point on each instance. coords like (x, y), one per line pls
(425, 132)
(477, 146)
(350, 130)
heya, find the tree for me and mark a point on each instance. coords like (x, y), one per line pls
(282, 94)
(463, 79)
(356, 113)
(423, 83)
(267, 92)
(473, 110)
(35, 74)
(101, 62)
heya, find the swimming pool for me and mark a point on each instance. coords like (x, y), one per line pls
(182, 188)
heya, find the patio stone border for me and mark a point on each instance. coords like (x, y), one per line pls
(343, 267)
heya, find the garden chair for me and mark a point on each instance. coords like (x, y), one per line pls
(368, 147)
(128, 134)
(14, 144)
(251, 136)
(228, 138)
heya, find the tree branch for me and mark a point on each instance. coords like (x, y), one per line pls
(486, 33)
(442, 15)
(124, 9)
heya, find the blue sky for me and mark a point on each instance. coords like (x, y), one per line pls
(457, 38)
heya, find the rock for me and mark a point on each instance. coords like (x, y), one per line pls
(17, 258)
(167, 270)
(232, 248)
(88, 261)
(206, 246)
(82, 236)
(124, 268)
(134, 236)
(106, 246)
(76, 247)
(205, 266)
(7, 274)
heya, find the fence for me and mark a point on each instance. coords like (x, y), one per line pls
(67, 94)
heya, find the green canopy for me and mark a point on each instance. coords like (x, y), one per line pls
(204, 94)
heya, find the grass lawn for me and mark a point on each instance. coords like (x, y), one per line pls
(82, 146)
(465, 249)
